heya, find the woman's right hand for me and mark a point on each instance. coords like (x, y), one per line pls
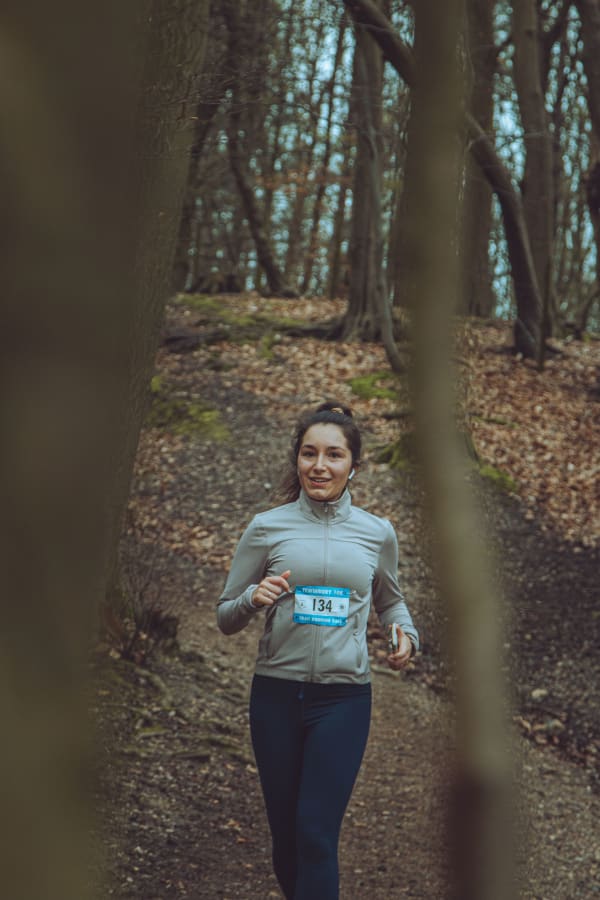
(270, 588)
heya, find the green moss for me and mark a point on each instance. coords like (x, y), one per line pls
(201, 302)
(369, 386)
(239, 320)
(180, 415)
(287, 322)
(267, 342)
(502, 480)
(495, 420)
(400, 454)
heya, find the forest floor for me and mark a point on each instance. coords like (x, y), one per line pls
(180, 804)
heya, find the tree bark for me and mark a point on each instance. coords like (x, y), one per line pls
(527, 329)
(480, 824)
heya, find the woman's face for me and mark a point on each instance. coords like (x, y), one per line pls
(324, 462)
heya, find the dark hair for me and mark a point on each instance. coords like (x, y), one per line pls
(330, 413)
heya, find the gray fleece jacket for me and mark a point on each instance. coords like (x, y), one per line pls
(331, 544)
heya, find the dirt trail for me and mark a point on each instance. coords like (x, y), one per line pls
(183, 811)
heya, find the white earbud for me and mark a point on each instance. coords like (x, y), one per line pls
(351, 475)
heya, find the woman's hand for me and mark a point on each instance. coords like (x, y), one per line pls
(270, 588)
(399, 659)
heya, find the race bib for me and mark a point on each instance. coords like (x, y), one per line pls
(316, 605)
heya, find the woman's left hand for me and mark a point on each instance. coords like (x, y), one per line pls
(399, 659)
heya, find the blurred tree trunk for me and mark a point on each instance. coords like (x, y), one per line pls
(477, 295)
(527, 329)
(361, 319)
(479, 825)
(176, 46)
(538, 179)
(99, 207)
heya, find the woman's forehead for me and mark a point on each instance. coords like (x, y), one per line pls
(325, 434)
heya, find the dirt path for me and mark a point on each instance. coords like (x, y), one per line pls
(183, 811)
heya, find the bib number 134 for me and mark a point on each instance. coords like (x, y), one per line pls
(321, 605)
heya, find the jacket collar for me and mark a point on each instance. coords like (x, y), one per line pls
(326, 510)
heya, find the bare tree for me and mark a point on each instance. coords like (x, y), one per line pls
(527, 331)
(324, 166)
(538, 179)
(589, 12)
(365, 256)
(477, 296)
(242, 23)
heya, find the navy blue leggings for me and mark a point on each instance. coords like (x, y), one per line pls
(309, 741)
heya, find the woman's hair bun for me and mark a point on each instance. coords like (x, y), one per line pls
(335, 406)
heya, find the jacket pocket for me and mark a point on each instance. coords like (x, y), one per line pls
(278, 627)
(358, 639)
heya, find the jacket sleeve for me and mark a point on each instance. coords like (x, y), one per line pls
(235, 607)
(387, 596)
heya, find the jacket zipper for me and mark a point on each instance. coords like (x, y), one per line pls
(317, 635)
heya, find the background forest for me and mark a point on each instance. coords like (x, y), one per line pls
(301, 137)
(395, 202)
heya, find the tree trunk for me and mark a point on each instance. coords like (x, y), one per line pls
(480, 823)
(527, 330)
(164, 134)
(477, 295)
(237, 51)
(277, 127)
(324, 167)
(100, 210)
(205, 113)
(589, 13)
(305, 160)
(339, 218)
(538, 181)
(361, 320)
(397, 262)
